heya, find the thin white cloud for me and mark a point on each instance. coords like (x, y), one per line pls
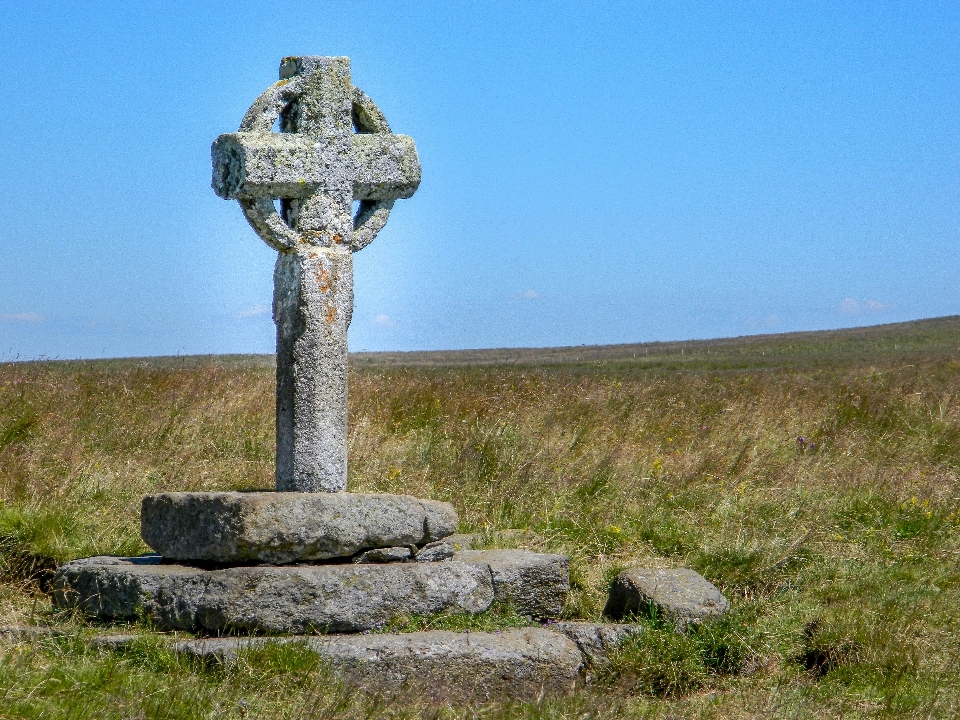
(383, 320)
(252, 311)
(531, 295)
(849, 306)
(26, 317)
(875, 306)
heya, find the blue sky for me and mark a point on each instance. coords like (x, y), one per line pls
(592, 172)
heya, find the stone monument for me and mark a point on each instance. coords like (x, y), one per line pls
(316, 166)
(312, 558)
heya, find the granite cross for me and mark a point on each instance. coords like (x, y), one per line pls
(334, 147)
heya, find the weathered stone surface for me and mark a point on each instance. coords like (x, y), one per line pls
(535, 583)
(265, 599)
(679, 595)
(232, 527)
(114, 642)
(317, 167)
(312, 309)
(251, 165)
(435, 552)
(436, 665)
(384, 555)
(595, 640)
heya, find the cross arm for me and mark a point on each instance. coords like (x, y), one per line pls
(387, 166)
(254, 165)
(249, 166)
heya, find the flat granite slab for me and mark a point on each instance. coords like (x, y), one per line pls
(287, 527)
(436, 665)
(269, 599)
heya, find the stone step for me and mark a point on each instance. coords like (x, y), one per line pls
(269, 599)
(435, 665)
(287, 527)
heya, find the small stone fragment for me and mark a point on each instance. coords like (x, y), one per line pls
(679, 595)
(536, 584)
(435, 552)
(384, 555)
(437, 665)
(264, 599)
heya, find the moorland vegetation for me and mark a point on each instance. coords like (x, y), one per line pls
(812, 477)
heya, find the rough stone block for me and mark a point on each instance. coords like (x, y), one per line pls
(287, 527)
(596, 640)
(535, 583)
(680, 595)
(436, 665)
(435, 552)
(264, 599)
(384, 555)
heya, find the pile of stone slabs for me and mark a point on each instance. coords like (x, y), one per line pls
(274, 563)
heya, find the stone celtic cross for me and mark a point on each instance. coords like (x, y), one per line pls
(334, 147)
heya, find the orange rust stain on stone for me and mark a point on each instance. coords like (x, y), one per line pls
(331, 314)
(323, 279)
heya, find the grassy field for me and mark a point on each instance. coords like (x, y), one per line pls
(813, 477)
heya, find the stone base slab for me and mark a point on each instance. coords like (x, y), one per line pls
(536, 584)
(436, 665)
(287, 527)
(266, 599)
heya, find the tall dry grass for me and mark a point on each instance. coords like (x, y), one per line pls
(821, 495)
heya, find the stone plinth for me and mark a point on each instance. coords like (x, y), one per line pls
(278, 528)
(269, 599)
(437, 665)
